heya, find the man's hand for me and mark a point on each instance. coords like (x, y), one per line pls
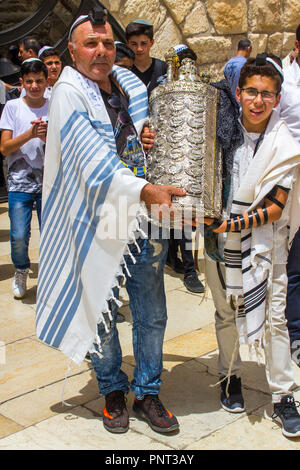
(158, 199)
(147, 138)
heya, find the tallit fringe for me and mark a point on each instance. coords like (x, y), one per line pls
(119, 277)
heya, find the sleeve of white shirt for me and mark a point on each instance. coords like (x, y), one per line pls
(7, 121)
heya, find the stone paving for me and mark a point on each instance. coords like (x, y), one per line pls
(32, 377)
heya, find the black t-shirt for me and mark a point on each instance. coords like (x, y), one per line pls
(157, 69)
(129, 148)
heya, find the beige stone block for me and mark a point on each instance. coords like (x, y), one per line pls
(288, 43)
(45, 402)
(167, 36)
(80, 429)
(265, 17)
(187, 347)
(196, 21)
(247, 433)
(17, 320)
(179, 10)
(7, 426)
(259, 43)
(291, 16)
(151, 10)
(31, 364)
(211, 49)
(229, 16)
(216, 71)
(187, 312)
(275, 43)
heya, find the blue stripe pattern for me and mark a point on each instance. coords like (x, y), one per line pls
(71, 212)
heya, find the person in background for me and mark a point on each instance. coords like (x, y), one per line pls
(24, 125)
(124, 55)
(28, 48)
(139, 37)
(234, 65)
(51, 59)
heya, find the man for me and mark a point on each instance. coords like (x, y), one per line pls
(290, 112)
(92, 144)
(51, 59)
(23, 125)
(139, 37)
(234, 65)
(28, 48)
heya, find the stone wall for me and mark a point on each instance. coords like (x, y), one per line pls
(213, 27)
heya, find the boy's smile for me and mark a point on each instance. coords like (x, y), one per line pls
(256, 111)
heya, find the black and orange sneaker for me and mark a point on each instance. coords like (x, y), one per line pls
(153, 411)
(115, 414)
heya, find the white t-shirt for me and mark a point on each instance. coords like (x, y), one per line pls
(25, 165)
(290, 99)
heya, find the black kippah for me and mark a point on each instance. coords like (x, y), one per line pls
(261, 59)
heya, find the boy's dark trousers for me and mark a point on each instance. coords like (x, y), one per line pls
(293, 292)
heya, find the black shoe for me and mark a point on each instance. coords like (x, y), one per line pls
(176, 265)
(115, 414)
(234, 402)
(192, 283)
(286, 413)
(153, 411)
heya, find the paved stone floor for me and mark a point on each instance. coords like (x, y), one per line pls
(32, 378)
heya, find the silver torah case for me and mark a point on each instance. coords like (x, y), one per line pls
(183, 114)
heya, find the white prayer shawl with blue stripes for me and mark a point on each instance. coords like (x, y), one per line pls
(249, 254)
(84, 182)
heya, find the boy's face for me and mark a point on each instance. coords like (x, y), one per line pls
(53, 64)
(140, 45)
(34, 84)
(256, 111)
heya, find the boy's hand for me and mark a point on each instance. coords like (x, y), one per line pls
(147, 138)
(39, 129)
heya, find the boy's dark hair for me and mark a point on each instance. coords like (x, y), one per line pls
(48, 53)
(136, 29)
(123, 51)
(31, 43)
(298, 33)
(33, 66)
(244, 44)
(187, 54)
(251, 68)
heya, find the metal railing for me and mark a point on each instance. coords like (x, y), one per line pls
(28, 26)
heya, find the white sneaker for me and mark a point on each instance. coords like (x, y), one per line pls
(19, 283)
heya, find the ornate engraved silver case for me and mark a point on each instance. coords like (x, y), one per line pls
(183, 113)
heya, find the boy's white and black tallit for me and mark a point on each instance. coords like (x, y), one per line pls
(83, 178)
(249, 254)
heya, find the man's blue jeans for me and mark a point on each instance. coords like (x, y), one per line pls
(20, 213)
(147, 299)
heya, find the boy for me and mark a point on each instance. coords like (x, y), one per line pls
(51, 59)
(23, 124)
(139, 37)
(249, 292)
(124, 55)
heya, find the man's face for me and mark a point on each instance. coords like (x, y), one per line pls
(93, 50)
(256, 112)
(24, 53)
(53, 64)
(34, 84)
(140, 45)
(125, 62)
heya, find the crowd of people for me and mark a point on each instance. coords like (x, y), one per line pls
(76, 156)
